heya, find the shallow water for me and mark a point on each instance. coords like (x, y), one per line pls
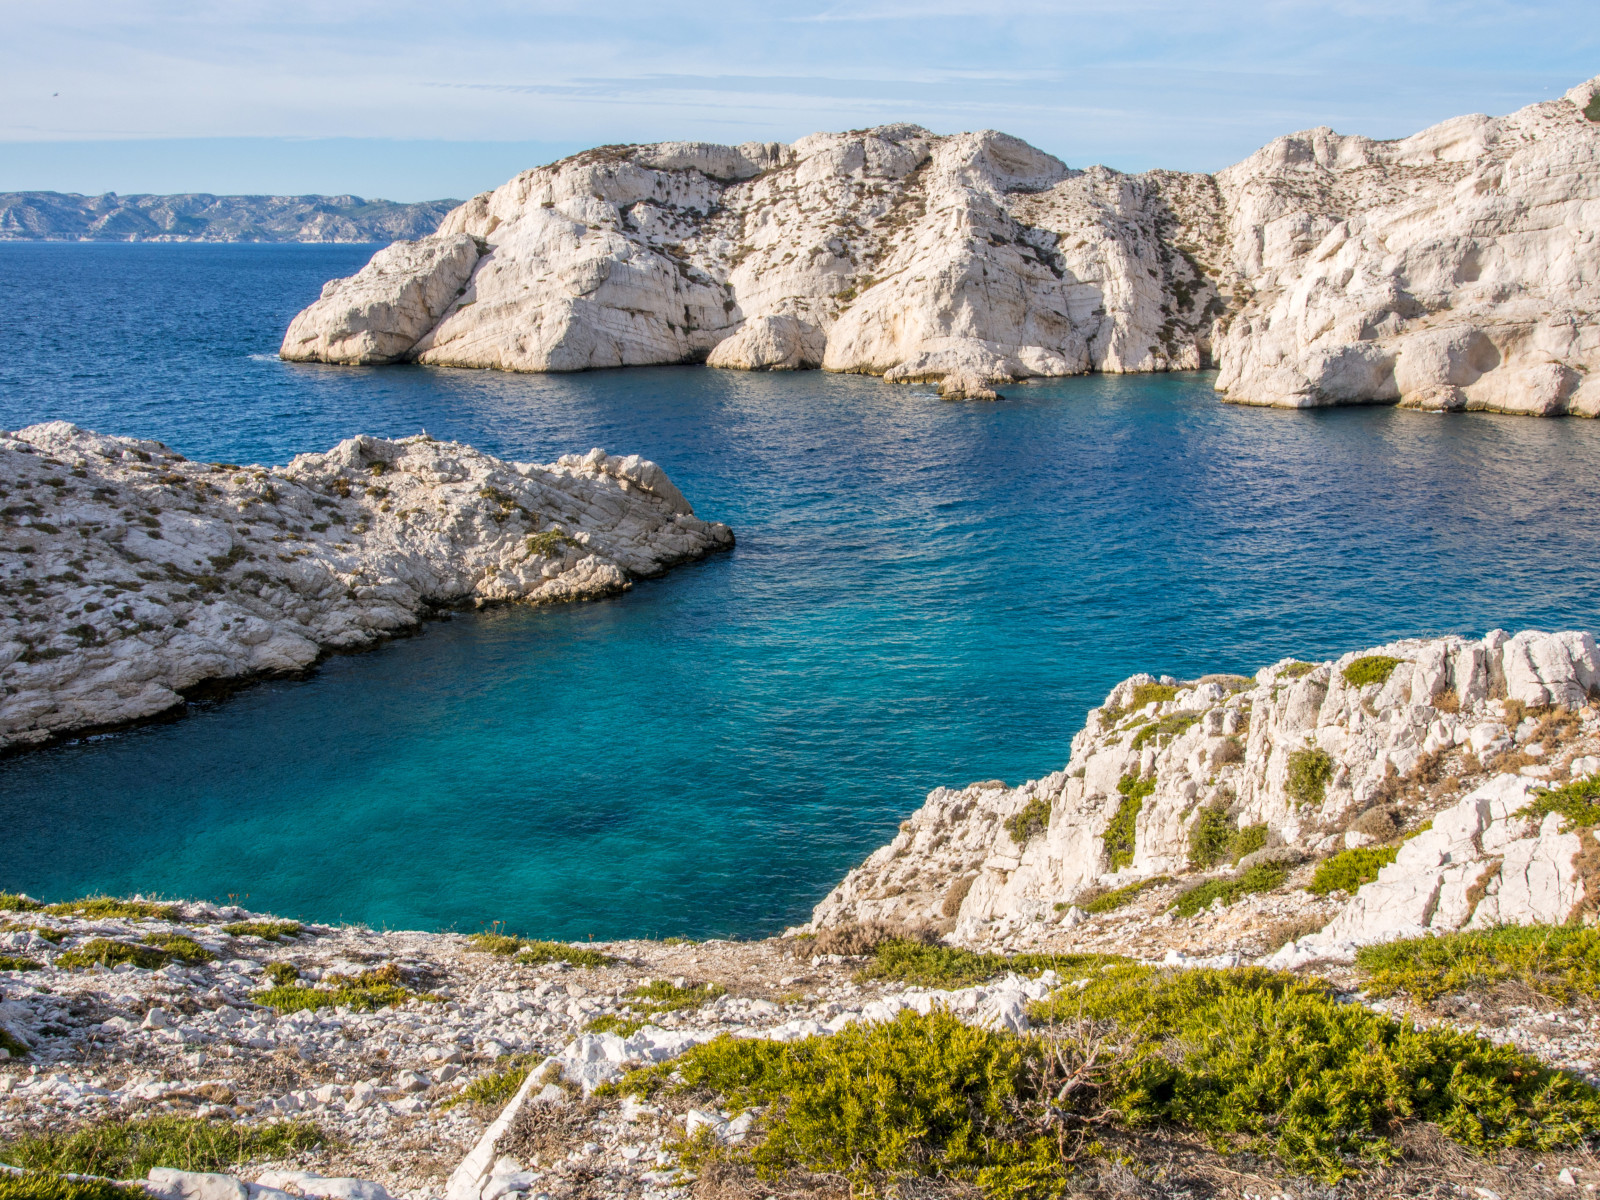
(923, 593)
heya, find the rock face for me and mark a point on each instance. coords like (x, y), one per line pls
(131, 575)
(1454, 269)
(1307, 761)
(198, 217)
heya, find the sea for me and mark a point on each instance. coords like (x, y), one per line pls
(923, 594)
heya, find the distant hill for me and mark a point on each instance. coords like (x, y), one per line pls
(199, 217)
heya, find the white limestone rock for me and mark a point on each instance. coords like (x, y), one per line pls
(1227, 743)
(772, 343)
(132, 575)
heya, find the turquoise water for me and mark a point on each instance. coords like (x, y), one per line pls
(923, 593)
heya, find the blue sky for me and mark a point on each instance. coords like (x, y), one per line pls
(413, 101)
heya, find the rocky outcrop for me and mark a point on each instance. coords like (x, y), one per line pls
(1453, 269)
(199, 217)
(132, 575)
(1300, 762)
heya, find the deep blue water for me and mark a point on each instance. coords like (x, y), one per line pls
(923, 593)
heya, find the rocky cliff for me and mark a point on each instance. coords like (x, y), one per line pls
(1454, 269)
(1427, 753)
(131, 575)
(200, 217)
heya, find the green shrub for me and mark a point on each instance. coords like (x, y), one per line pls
(15, 962)
(1164, 730)
(272, 931)
(1561, 962)
(951, 967)
(1113, 900)
(12, 902)
(623, 1027)
(42, 1185)
(878, 1103)
(49, 935)
(1374, 668)
(1033, 819)
(551, 543)
(1151, 693)
(495, 1089)
(1118, 839)
(1211, 836)
(185, 949)
(108, 953)
(1297, 670)
(1276, 1064)
(1578, 802)
(108, 906)
(1260, 878)
(1592, 109)
(367, 992)
(1310, 770)
(11, 1046)
(1347, 871)
(496, 943)
(1249, 839)
(531, 952)
(660, 996)
(124, 1148)
(282, 973)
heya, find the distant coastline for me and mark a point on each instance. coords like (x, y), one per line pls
(202, 217)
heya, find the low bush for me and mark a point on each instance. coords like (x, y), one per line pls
(623, 1027)
(184, 949)
(878, 1103)
(110, 906)
(951, 967)
(108, 953)
(1578, 802)
(1310, 769)
(367, 992)
(1347, 871)
(11, 1046)
(272, 931)
(1113, 900)
(1296, 670)
(1163, 730)
(12, 902)
(495, 1089)
(1561, 962)
(125, 1148)
(1034, 818)
(661, 996)
(552, 543)
(1215, 836)
(1260, 878)
(1276, 1064)
(15, 962)
(1151, 693)
(531, 952)
(1373, 668)
(1118, 839)
(855, 938)
(42, 1185)
(496, 943)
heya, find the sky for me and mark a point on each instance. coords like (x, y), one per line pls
(412, 101)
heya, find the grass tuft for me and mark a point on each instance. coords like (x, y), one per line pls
(1163, 731)
(15, 962)
(623, 1027)
(12, 902)
(1260, 878)
(950, 967)
(1373, 668)
(1118, 839)
(1113, 900)
(1347, 871)
(125, 1148)
(1578, 802)
(661, 996)
(531, 952)
(1561, 962)
(110, 906)
(271, 931)
(1151, 693)
(107, 953)
(1032, 820)
(1310, 770)
(495, 1089)
(367, 992)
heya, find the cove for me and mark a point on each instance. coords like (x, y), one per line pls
(923, 593)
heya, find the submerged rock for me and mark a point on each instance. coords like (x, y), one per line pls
(133, 575)
(1451, 270)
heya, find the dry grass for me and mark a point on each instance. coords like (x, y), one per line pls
(863, 937)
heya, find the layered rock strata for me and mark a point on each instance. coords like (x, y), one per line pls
(131, 575)
(1453, 269)
(1302, 761)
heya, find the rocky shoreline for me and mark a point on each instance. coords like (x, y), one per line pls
(1452, 270)
(131, 576)
(1410, 775)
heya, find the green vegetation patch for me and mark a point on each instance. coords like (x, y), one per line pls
(495, 1089)
(1033, 819)
(271, 931)
(110, 906)
(1373, 668)
(1262, 877)
(919, 1096)
(1347, 871)
(1561, 962)
(367, 992)
(42, 1185)
(49, 935)
(1592, 109)
(1151, 693)
(125, 1149)
(1113, 900)
(108, 953)
(623, 1027)
(1271, 1063)
(552, 543)
(12, 902)
(1578, 802)
(185, 949)
(1164, 730)
(661, 996)
(1310, 769)
(15, 962)
(1297, 670)
(1118, 839)
(531, 952)
(11, 1046)
(950, 967)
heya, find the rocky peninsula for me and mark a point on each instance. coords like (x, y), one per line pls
(132, 576)
(1454, 269)
(202, 217)
(1369, 844)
